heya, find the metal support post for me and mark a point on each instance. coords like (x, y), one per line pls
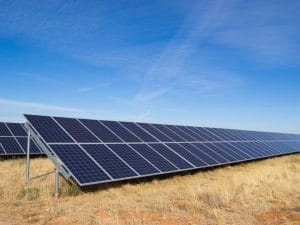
(28, 158)
(56, 191)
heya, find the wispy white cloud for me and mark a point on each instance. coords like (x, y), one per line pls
(93, 88)
(171, 71)
(146, 96)
(36, 106)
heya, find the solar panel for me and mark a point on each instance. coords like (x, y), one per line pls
(99, 151)
(13, 140)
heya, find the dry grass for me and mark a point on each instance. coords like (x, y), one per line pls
(264, 192)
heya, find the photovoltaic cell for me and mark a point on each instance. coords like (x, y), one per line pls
(157, 160)
(109, 161)
(11, 146)
(137, 162)
(155, 132)
(49, 129)
(122, 132)
(84, 169)
(165, 130)
(138, 131)
(186, 154)
(201, 154)
(103, 133)
(4, 130)
(77, 130)
(171, 156)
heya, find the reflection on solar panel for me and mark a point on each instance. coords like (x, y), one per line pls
(13, 140)
(96, 151)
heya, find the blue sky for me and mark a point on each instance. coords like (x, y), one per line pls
(232, 64)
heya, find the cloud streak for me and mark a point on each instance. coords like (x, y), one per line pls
(36, 106)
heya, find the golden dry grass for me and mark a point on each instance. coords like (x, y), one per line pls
(264, 192)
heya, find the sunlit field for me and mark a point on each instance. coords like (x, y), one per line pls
(261, 192)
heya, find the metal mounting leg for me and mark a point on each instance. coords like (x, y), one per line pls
(56, 191)
(28, 159)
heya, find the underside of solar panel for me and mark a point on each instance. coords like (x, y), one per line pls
(13, 140)
(98, 151)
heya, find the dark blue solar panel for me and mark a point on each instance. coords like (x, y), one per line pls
(17, 129)
(280, 146)
(77, 130)
(201, 154)
(221, 134)
(100, 131)
(96, 162)
(221, 151)
(208, 136)
(164, 129)
(232, 151)
(295, 144)
(156, 133)
(272, 151)
(245, 149)
(186, 154)
(33, 147)
(49, 129)
(11, 146)
(109, 161)
(80, 164)
(138, 163)
(171, 156)
(212, 153)
(182, 133)
(4, 130)
(259, 148)
(122, 132)
(138, 131)
(238, 153)
(157, 160)
(192, 132)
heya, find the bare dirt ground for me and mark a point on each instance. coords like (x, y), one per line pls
(264, 193)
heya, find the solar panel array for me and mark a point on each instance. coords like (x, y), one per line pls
(13, 140)
(97, 151)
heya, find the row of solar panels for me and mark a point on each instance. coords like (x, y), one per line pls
(70, 130)
(94, 151)
(13, 140)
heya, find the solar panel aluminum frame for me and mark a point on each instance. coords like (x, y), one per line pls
(60, 168)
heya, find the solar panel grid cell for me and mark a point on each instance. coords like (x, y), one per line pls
(109, 161)
(98, 129)
(178, 161)
(49, 129)
(138, 131)
(137, 162)
(165, 130)
(11, 146)
(16, 129)
(77, 130)
(85, 170)
(4, 130)
(155, 132)
(186, 154)
(156, 159)
(122, 132)
(179, 131)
